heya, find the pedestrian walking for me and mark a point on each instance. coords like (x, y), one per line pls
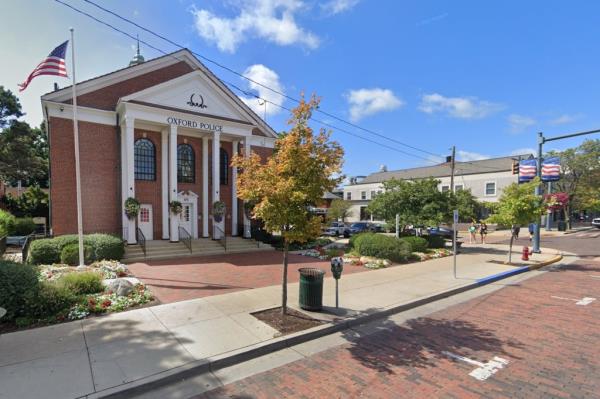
(515, 231)
(472, 232)
(483, 230)
(531, 231)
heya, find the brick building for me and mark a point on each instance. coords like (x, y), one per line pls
(151, 131)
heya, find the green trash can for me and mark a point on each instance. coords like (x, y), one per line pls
(562, 225)
(311, 288)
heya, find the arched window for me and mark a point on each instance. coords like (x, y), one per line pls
(185, 164)
(144, 160)
(224, 167)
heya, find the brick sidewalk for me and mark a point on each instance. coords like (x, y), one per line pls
(551, 345)
(189, 278)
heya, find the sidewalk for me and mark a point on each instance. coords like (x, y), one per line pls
(91, 356)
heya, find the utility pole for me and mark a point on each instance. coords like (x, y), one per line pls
(452, 164)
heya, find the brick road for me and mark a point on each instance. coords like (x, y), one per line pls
(189, 278)
(551, 345)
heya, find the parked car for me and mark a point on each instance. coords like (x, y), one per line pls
(362, 227)
(440, 231)
(337, 229)
(596, 222)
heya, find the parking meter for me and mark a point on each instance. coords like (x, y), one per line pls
(337, 266)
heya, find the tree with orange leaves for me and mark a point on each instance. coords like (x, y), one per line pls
(303, 166)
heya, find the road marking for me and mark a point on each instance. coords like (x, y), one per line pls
(483, 370)
(583, 301)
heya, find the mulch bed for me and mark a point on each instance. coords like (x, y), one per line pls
(292, 322)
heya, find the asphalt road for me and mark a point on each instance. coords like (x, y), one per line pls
(537, 338)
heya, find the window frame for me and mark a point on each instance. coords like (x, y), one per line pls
(144, 160)
(459, 187)
(485, 191)
(444, 188)
(348, 196)
(363, 195)
(192, 167)
(223, 167)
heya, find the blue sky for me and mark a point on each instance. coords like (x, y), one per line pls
(484, 76)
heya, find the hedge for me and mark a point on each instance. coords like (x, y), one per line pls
(82, 283)
(417, 244)
(381, 246)
(22, 227)
(102, 246)
(7, 222)
(69, 255)
(18, 282)
(49, 300)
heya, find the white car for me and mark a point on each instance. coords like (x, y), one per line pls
(596, 222)
(337, 229)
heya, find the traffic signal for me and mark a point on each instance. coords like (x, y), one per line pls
(515, 168)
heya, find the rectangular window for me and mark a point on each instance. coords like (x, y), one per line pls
(490, 188)
(373, 194)
(348, 196)
(363, 195)
(458, 187)
(445, 188)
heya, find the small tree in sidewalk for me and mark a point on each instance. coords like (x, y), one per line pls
(301, 169)
(518, 205)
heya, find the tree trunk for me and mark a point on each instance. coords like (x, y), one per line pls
(567, 210)
(510, 245)
(284, 280)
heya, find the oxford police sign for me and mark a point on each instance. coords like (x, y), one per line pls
(193, 124)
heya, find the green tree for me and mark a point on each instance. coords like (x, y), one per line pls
(518, 205)
(418, 202)
(466, 204)
(293, 179)
(10, 107)
(580, 175)
(339, 209)
(33, 202)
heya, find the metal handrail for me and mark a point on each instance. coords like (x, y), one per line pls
(185, 238)
(223, 239)
(26, 245)
(141, 239)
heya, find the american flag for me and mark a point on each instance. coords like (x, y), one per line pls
(527, 170)
(54, 64)
(551, 169)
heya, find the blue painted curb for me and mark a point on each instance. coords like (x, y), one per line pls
(500, 276)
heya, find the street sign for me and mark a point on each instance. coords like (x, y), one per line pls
(456, 216)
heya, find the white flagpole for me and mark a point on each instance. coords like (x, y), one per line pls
(76, 141)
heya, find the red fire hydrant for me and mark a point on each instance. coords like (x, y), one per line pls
(526, 253)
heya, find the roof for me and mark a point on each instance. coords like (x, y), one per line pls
(492, 165)
(184, 55)
(330, 195)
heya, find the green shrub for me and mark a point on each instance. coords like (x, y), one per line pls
(17, 282)
(22, 227)
(106, 246)
(382, 246)
(69, 255)
(44, 252)
(50, 300)
(417, 244)
(354, 238)
(82, 282)
(436, 241)
(7, 222)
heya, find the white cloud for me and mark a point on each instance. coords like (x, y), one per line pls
(272, 20)
(458, 107)
(564, 119)
(518, 123)
(465, 156)
(263, 75)
(365, 102)
(431, 20)
(521, 151)
(333, 7)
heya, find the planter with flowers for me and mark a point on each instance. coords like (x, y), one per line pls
(175, 207)
(132, 208)
(218, 211)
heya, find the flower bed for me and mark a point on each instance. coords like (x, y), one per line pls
(107, 268)
(110, 302)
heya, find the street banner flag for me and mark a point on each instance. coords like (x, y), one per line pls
(551, 169)
(527, 170)
(54, 65)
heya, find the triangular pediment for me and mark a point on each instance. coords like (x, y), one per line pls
(192, 92)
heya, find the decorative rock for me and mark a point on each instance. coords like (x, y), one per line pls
(121, 287)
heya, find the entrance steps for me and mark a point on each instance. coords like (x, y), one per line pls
(163, 249)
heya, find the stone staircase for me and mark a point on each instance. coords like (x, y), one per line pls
(162, 249)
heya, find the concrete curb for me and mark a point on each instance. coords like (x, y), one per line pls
(253, 351)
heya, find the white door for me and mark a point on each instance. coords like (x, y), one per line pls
(185, 218)
(145, 221)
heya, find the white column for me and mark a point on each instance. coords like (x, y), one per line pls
(164, 176)
(247, 232)
(129, 148)
(216, 179)
(174, 234)
(234, 199)
(205, 232)
(124, 182)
